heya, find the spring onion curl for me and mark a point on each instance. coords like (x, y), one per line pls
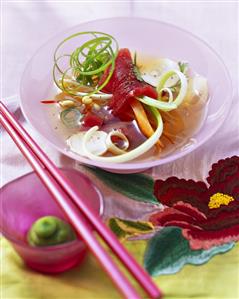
(168, 91)
(135, 153)
(113, 148)
(170, 105)
(86, 64)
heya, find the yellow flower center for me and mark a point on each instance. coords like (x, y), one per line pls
(218, 199)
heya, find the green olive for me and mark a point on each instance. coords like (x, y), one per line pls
(50, 230)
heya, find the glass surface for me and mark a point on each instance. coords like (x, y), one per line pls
(26, 199)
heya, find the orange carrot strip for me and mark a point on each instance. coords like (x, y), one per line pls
(143, 122)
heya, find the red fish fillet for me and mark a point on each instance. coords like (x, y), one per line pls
(124, 85)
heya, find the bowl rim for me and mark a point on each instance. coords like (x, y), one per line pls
(51, 247)
(128, 166)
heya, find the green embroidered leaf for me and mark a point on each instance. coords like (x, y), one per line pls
(168, 251)
(135, 226)
(127, 228)
(136, 186)
(114, 226)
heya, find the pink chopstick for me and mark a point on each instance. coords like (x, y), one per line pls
(73, 215)
(46, 169)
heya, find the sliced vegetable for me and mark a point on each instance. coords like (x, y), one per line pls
(168, 91)
(164, 106)
(142, 120)
(75, 142)
(183, 85)
(49, 102)
(117, 149)
(71, 117)
(96, 144)
(144, 147)
(168, 106)
(151, 72)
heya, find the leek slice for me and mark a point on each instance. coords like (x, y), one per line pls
(171, 105)
(71, 117)
(169, 92)
(164, 106)
(113, 148)
(135, 153)
(152, 71)
(96, 143)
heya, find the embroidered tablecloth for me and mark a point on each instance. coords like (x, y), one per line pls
(28, 24)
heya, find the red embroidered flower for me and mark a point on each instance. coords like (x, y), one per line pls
(209, 216)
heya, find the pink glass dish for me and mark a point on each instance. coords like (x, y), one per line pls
(145, 36)
(26, 199)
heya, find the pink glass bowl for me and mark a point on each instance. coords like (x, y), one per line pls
(145, 36)
(26, 199)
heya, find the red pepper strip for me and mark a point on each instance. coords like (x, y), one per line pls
(48, 102)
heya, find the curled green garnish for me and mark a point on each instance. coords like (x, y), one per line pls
(86, 63)
(50, 230)
(172, 103)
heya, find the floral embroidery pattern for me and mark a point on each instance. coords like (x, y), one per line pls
(209, 216)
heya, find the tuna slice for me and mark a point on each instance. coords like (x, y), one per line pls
(124, 85)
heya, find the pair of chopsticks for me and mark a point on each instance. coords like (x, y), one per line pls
(75, 207)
